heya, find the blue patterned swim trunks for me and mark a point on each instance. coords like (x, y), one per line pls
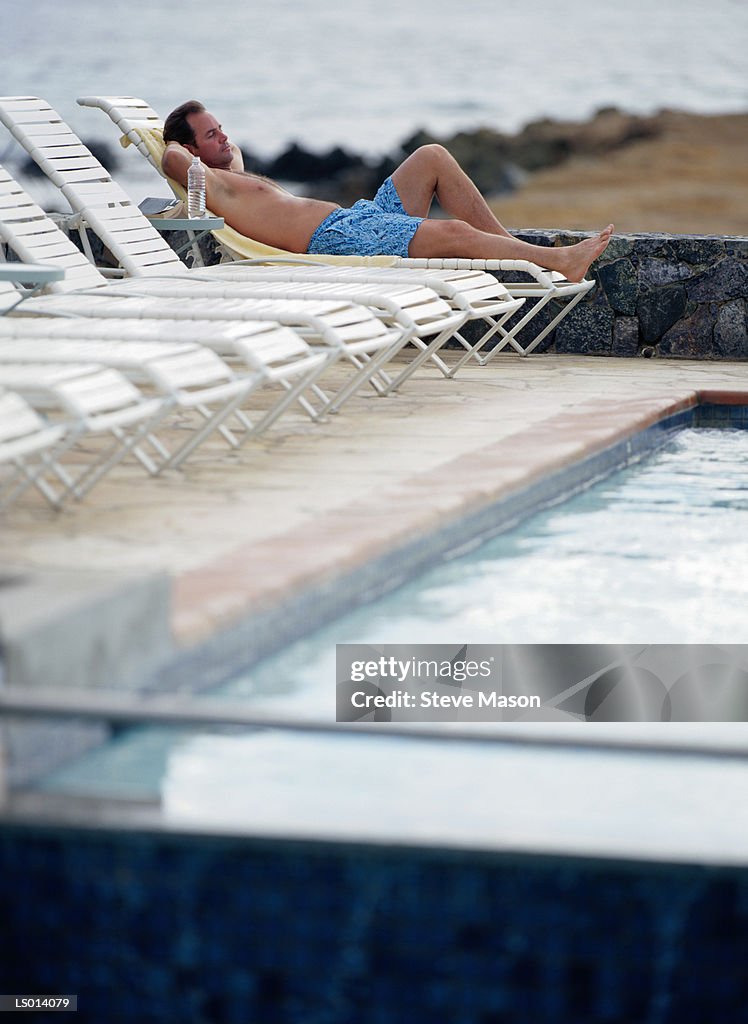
(371, 227)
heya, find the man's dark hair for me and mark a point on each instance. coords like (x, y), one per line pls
(177, 127)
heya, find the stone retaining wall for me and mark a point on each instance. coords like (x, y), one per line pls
(658, 295)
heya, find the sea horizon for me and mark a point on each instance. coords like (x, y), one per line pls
(367, 76)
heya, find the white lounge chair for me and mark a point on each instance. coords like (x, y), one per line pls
(29, 449)
(87, 401)
(274, 355)
(142, 127)
(34, 446)
(345, 329)
(189, 373)
(193, 378)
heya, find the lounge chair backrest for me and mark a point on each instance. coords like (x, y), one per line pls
(35, 238)
(87, 186)
(135, 119)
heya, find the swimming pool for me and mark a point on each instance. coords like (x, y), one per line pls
(655, 554)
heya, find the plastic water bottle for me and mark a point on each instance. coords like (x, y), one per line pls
(196, 189)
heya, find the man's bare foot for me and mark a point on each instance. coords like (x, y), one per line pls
(574, 260)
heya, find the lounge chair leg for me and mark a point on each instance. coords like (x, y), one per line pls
(427, 352)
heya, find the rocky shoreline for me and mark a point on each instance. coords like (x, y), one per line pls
(497, 163)
(671, 171)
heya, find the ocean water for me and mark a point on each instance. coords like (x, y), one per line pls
(367, 73)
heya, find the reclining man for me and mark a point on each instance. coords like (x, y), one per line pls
(396, 222)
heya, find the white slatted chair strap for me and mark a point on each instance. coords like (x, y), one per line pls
(113, 353)
(35, 238)
(473, 285)
(212, 333)
(332, 322)
(105, 391)
(474, 293)
(417, 303)
(276, 347)
(413, 302)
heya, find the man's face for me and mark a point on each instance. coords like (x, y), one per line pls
(211, 143)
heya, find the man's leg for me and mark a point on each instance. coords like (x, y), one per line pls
(475, 233)
(433, 171)
(456, 238)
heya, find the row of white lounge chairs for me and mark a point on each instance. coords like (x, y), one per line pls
(97, 356)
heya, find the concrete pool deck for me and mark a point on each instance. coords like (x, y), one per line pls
(166, 564)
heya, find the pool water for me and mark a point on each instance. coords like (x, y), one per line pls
(655, 554)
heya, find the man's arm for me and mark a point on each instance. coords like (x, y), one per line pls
(176, 162)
